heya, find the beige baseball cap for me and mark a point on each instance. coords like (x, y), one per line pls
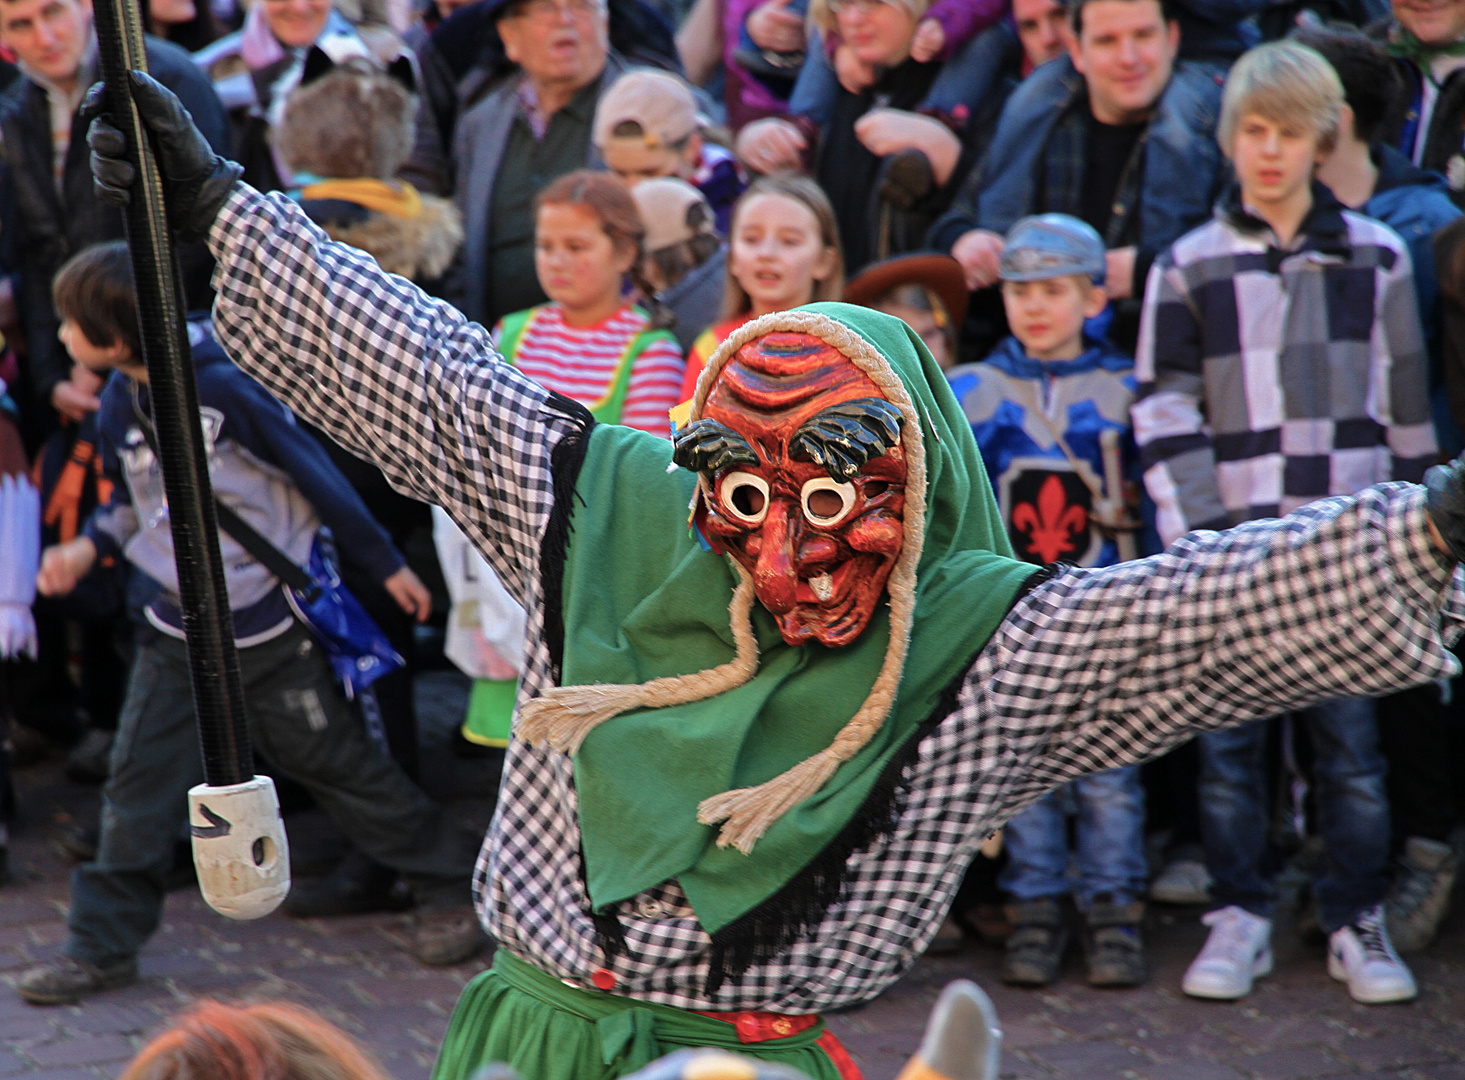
(673, 212)
(660, 102)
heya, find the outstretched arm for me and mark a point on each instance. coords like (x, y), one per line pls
(397, 377)
(1348, 597)
(401, 379)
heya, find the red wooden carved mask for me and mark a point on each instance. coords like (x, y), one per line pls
(802, 454)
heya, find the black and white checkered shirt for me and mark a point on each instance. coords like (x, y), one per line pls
(1090, 670)
(1269, 378)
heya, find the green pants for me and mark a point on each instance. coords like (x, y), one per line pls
(546, 1030)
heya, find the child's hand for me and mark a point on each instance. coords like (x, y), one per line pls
(854, 74)
(63, 565)
(72, 402)
(980, 253)
(411, 595)
(930, 39)
(770, 145)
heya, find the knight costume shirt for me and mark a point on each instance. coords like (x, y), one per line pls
(1024, 412)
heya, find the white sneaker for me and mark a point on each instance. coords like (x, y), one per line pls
(1362, 956)
(1238, 951)
(1184, 881)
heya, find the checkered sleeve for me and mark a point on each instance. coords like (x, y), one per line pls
(388, 372)
(1099, 668)
(1176, 451)
(1397, 347)
(1093, 669)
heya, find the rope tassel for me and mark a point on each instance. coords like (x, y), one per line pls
(562, 717)
(748, 812)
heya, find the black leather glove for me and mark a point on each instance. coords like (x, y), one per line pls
(196, 181)
(1445, 501)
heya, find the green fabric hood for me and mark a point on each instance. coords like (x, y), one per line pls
(643, 601)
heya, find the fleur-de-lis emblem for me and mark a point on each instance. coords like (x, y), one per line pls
(1053, 526)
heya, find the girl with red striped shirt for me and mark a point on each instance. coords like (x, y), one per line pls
(590, 342)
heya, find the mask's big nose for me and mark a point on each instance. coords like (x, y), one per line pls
(774, 578)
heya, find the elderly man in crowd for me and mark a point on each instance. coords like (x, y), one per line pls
(1427, 37)
(1117, 134)
(532, 127)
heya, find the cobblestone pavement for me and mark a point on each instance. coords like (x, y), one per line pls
(1297, 1024)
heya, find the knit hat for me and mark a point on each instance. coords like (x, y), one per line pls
(1052, 245)
(673, 212)
(660, 103)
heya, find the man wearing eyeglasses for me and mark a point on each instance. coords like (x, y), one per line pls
(532, 127)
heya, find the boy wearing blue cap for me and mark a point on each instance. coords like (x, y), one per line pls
(1050, 411)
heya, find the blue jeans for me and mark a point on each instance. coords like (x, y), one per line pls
(1352, 812)
(1110, 807)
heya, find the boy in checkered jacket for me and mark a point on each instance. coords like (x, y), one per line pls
(1280, 362)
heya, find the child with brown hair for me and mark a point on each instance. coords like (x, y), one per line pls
(783, 252)
(281, 484)
(590, 343)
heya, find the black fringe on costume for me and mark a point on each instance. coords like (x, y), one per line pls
(565, 461)
(762, 934)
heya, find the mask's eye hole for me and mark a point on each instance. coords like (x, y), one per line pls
(875, 488)
(827, 502)
(744, 497)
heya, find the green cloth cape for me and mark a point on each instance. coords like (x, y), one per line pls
(643, 600)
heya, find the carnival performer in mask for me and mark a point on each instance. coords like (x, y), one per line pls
(752, 756)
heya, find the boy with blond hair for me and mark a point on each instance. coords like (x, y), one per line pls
(1281, 361)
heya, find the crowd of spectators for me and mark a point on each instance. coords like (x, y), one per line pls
(1182, 276)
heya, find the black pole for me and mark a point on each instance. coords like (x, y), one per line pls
(218, 691)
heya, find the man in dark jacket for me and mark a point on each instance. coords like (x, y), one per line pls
(1119, 137)
(47, 185)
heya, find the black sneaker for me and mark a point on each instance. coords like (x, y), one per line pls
(1037, 943)
(66, 980)
(90, 761)
(1113, 945)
